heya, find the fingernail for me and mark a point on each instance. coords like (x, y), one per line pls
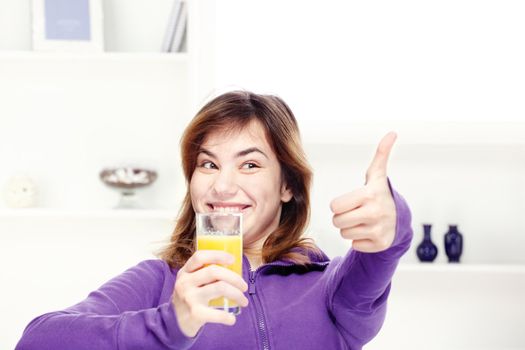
(232, 320)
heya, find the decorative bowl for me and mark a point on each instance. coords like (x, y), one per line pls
(127, 180)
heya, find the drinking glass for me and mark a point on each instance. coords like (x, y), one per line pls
(222, 231)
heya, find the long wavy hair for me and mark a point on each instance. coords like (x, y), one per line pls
(234, 111)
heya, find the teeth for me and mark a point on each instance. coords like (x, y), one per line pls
(227, 209)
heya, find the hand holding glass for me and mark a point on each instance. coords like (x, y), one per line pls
(222, 231)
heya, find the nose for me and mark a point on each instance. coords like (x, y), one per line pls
(225, 185)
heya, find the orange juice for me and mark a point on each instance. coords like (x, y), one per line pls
(230, 244)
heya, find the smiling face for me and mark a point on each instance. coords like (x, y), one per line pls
(238, 171)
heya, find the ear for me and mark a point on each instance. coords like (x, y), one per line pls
(286, 193)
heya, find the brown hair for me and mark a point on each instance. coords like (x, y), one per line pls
(234, 111)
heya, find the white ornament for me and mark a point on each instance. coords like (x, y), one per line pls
(20, 192)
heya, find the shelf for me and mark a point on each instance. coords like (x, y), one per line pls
(110, 214)
(28, 69)
(32, 56)
(463, 268)
(416, 133)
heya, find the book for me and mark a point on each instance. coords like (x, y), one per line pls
(172, 25)
(180, 29)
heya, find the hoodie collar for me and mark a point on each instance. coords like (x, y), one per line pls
(317, 260)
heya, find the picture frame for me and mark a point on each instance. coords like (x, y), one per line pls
(68, 25)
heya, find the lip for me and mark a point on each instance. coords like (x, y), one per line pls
(227, 207)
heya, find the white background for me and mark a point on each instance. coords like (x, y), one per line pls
(374, 60)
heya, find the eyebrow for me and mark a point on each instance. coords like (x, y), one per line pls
(238, 155)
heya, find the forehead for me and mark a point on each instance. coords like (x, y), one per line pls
(251, 135)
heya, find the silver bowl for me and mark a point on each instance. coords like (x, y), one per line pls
(127, 180)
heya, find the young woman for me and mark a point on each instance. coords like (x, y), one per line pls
(242, 153)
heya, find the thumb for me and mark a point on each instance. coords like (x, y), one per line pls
(377, 168)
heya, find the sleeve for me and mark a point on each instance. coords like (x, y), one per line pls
(123, 314)
(359, 283)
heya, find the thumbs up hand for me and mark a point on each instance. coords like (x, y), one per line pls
(368, 215)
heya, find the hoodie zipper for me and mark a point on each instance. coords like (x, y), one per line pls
(259, 312)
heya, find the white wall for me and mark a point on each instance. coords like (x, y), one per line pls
(374, 60)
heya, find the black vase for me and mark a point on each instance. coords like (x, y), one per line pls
(453, 244)
(426, 250)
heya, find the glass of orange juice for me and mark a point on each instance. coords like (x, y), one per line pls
(222, 231)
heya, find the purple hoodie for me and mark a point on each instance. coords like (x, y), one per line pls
(338, 304)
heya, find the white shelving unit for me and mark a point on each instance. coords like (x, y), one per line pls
(460, 268)
(147, 57)
(111, 214)
(477, 306)
(103, 102)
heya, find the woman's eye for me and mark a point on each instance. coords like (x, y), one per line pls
(249, 166)
(208, 165)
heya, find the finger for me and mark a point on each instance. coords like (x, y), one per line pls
(221, 289)
(355, 233)
(207, 314)
(205, 257)
(379, 164)
(349, 201)
(364, 245)
(370, 246)
(352, 218)
(212, 273)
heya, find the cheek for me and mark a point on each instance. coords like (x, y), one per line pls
(197, 188)
(263, 191)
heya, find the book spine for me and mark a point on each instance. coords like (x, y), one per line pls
(172, 26)
(180, 29)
